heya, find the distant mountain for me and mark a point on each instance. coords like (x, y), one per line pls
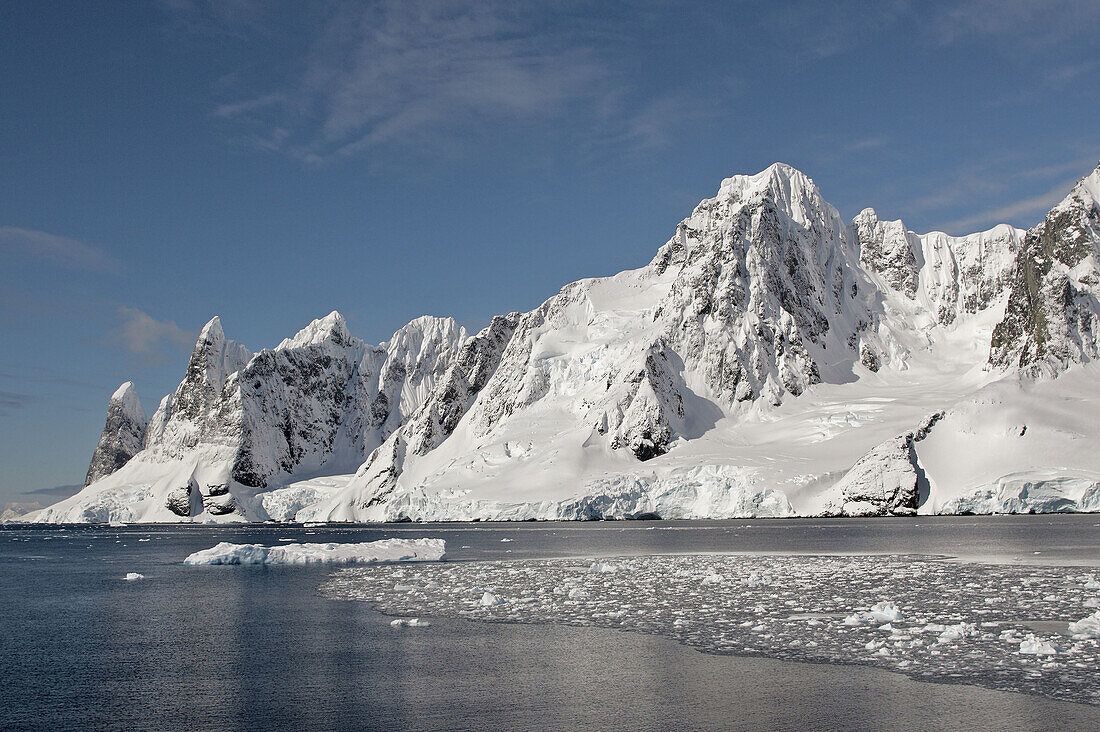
(771, 360)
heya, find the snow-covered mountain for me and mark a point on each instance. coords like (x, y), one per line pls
(770, 360)
(241, 424)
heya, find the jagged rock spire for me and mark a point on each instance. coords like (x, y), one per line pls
(123, 434)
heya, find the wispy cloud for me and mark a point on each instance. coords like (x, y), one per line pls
(820, 30)
(1027, 23)
(426, 75)
(55, 493)
(863, 144)
(1032, 207)
(37, 377)
(54, 249)
(405, 72)
(148, 338)
(993, 180)
(11, 402)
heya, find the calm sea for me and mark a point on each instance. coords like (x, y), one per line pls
(216, 648)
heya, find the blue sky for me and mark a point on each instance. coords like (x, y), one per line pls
(163, 162)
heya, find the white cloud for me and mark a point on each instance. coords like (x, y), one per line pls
(145, 336)
(54, 249)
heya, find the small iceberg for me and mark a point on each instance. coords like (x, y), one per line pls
(958, 631)
(883, 612)
(1034, 646)
(409, 623)
(1088, 627)
(386, 550)
(133, 577)
(490, 600)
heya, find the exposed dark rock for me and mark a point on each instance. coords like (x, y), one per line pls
(179, 500)
(123, 435)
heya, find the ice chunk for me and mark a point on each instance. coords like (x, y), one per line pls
(601, 567)
(1086, 627)
(386, 550)
(1035, 646)
(491, 600)
(132, 576)
(957, 632)
(409, 623)
(882, 612)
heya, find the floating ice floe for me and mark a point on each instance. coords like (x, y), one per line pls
(386, 550)
(944, 621)
(409, 623)
(490, 600)
(133, 576)
(1086, 627)
(883, 612)
(1034, 646)
(603, 568)
(957, 632)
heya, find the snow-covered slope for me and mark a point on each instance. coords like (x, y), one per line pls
(771, 360)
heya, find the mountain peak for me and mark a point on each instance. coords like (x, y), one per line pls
(124, 391)
(791, 190)
(212, 331)
(126, 397)
(1089, 186)
(332, 327)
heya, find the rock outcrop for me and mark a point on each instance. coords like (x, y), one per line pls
(123, 435)
(1053, 315)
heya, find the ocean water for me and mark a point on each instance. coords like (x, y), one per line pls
(263, 648)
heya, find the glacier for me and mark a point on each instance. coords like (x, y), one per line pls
(771, 360)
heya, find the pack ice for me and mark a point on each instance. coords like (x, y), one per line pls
(1009, 627)
(771, 360)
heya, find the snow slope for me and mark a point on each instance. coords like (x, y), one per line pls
(771, 360)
